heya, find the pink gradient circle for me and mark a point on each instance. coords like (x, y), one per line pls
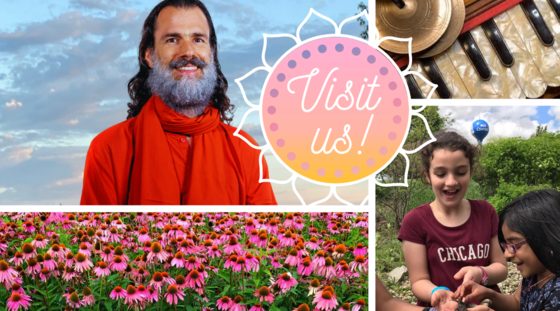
(352, 90)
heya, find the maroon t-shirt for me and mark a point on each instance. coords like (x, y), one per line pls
(451, 248)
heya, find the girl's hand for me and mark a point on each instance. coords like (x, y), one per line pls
(469, 274)
(471, 291)
(480, 308)
(440, 297)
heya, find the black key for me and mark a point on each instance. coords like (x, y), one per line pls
(498, 43)
(435, 76)
(555, 4)
(538, 23)
(475, 56)
(415, 91)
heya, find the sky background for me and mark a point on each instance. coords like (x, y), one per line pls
(64, 66)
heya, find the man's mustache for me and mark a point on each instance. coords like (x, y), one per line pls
(182, 62)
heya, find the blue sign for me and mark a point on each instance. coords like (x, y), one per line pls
(479, 130)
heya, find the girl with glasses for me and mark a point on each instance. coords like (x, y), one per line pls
(451, 240)
(530, 236)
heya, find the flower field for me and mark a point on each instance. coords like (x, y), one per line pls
(184, 261)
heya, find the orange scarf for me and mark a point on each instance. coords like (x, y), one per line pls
(212, 170)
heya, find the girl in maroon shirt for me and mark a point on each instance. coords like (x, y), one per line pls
(451, 240)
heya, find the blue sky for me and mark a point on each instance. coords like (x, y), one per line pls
(64, 66)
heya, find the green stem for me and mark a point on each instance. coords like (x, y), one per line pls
(48, 302)
(100, 293)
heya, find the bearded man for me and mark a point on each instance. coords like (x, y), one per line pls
(175, 146)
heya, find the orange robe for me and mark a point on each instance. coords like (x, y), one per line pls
(138, 162)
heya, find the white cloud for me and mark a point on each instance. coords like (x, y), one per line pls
(8, 136)
(503, 121)
(68, 181)
(555, 112)
(63, 156)
(8, 189)
(73, 122)
(13, 103)
(16, 155)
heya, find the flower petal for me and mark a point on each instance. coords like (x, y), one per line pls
(311, 11)
(265, 44)
(238, 81)
(386, 177)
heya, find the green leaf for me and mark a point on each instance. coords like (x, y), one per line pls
(108, 305)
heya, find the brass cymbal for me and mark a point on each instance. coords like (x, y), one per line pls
(452, 32)
(423, 20)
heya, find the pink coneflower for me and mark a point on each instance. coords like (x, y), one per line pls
(56, 251)
(253, 262)
(69, 259)
(312, 244)
(181, 282)
(17, 259)
(298, 224)
(117, 293)
(285, 282)
(117, 264)
(132, 295)
(167, 279)
(302, 307)
(230, 262)
(276, 263)
(263, 240)
(257, 307)
(44, 275)
(328, 270)
(48, 262)
(88, 299)
(153, 295)
(360, 304)
(107, 254)
(33, 267)
(235, 306)
(7, 274)
(28, 251)
(360, 250)
(319, 259)
(16, 288)
(214, 252)
(326, 300)
(292, 259)
(142, 291)
(156, 252)
(232, 246)
(194, 280)
(114, 236)
(344, 307)
(179, 260)
(143, 237)
(39, 241)
(28, 226)
(241, 264)
(254, 236)
(101, 269)
(272, 226)
(264, 294)
(288, 223)
(157, 281)
(119, 252)
(339, 251)
(17, 300)
(173, 295)
(314, 287)
(286, 239)
(69, 274)
(84, 249)
(224, 303)
(360, 222)
(360, 264)
(192, 263)
(82, 263)
(141, 274)
(73, 300)
(305, 268)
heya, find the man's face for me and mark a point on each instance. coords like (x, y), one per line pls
(181, 34)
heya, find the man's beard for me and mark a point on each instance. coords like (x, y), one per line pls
(188, 96)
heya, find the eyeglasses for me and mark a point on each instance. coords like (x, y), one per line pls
(512, 248)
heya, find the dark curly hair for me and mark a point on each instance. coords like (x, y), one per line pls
(138, 88)
(451, 141)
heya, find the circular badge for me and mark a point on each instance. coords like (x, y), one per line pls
(335, 110)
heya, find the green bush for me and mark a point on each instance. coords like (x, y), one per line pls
(518, 161)
(506, 193)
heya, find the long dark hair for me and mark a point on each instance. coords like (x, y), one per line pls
(138, 88)
(536, 216)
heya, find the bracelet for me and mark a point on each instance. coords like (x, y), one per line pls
(429, 309)
(440, 287)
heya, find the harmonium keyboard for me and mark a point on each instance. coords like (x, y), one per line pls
(476, 48)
